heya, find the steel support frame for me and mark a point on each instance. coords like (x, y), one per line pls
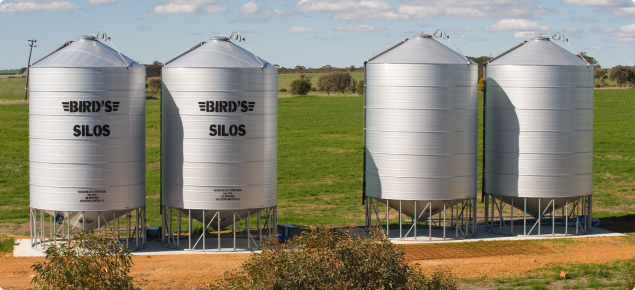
(47, 228)
(461, 218)
(577, 213)
(242, 227)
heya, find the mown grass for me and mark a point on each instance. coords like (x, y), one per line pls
(612, 275)
(6, 245)
(320, 157)
(614, 154)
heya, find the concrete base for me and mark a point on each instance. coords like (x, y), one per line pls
(154, 247)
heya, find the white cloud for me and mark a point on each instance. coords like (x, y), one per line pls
(596, 2)
(517, 24)
(173, 8)
(352, 10)
(249, 7)
(302, 29)
(420, 9)
(624, 8)
(525, 34)
(189, 6)
(213, 9)
(588, 19)
(458, 32)
(470, 8)
(627, 12)
(100, 2)
(34, 6)
(622, 34)
(358, 28)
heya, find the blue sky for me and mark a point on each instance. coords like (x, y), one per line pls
(314, 33)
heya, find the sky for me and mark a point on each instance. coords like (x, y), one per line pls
(314, 33)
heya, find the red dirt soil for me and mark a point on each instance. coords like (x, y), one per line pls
(466, 260)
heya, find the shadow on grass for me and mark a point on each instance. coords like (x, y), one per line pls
(619, 224)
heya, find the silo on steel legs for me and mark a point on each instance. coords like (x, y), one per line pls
(538, 140)
(219, 146)
(420, 139)
(87, 143)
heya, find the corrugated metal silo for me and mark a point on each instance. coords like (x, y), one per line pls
(420, 132)
(86, 135)
(219, 134)
(539, 133)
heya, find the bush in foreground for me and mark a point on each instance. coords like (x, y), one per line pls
(87, 261)
(324, 259)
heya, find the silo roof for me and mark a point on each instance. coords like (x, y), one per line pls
(86, 52)
(421, 49)
(539, 51)
(219, 52)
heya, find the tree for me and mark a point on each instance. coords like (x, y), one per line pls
(480, 61)
(599, 73)
(481, 85)
(353, 85)
(22, 70)
(300, 67)
(154, 69)
(352, 69)
(622, 74)
(360, 87)
(301, 86)
(343, 80)
(327, 83)
(590, 60)
(154, 86)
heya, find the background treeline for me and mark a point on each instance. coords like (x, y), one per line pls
(329, 79)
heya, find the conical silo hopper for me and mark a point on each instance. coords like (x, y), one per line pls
(219, 133)
(86, 137)
(420, 122)
(539, 129)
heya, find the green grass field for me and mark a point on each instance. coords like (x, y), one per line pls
(320, 158)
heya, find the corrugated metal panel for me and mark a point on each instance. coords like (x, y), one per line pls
(539, 125)
(421, 50)
(420, 127)
(85, 53)
(86, 135)
(219, 160)
(217, 54)
(539, 51)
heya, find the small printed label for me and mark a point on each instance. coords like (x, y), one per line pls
(91, 195)
(227, 194)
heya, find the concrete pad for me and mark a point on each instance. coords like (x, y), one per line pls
(482, 235)
(155, 247)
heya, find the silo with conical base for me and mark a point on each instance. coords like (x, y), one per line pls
(420, 138)
(219, 145)
(87, 143)
(538, 142)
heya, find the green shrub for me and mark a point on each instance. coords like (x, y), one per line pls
(283, 90)
(87, 261)
(301, 86)
(360, 87)
(313, 89)
(324, 259)
(6, 245)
